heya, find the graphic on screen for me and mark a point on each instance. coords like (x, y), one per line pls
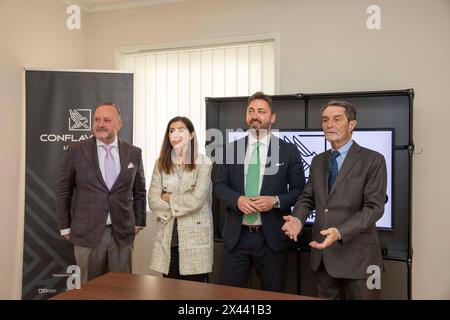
(311, 143)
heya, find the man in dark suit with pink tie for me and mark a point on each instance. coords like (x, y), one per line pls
(101, 197)
(347, 188)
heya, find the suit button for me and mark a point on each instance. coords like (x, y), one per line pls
(326, 210)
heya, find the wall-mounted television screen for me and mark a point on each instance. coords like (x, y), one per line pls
(312, 142)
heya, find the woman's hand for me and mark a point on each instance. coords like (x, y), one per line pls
(166, 197)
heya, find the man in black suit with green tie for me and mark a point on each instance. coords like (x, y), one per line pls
(259, 186)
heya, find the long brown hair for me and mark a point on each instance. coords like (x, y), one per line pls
(165, 163)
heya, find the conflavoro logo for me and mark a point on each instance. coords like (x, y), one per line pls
(79, 119)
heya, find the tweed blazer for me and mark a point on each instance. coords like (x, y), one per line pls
(190, 204)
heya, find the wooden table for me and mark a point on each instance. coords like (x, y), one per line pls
(126, 286)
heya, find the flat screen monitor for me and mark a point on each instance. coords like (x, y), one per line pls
(312, 142)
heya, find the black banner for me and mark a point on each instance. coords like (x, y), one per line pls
(59, 110)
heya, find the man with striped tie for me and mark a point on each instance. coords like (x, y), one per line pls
(258, 187)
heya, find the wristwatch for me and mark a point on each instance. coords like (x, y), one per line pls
(276, 202)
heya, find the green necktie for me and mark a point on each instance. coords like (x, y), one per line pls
(252, 182)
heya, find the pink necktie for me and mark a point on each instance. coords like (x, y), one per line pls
(110, 167)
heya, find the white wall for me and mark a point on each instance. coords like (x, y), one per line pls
(326, 47)
(32, 34)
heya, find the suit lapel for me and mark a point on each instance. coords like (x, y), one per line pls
(268, 165)
(325, 175)
(124, 154)
(91, 154)
(350, 159)
(240, 163)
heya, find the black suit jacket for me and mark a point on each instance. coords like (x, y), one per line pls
(353, 206)
(287, 184)
(83, 200)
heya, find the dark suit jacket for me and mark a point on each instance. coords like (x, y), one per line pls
(83, 199)
(287, 184)
(353, 206)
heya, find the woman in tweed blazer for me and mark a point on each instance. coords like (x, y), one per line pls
(180, 197)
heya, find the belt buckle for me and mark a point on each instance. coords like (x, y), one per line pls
(254, 228)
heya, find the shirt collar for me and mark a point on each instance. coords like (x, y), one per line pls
(264, 141)
(344, 149)
(115, 143)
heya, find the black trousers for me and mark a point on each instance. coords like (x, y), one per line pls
(342, 289)
(252, 249)
(174, 269)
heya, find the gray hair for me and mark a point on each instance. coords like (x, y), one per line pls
(350, 111)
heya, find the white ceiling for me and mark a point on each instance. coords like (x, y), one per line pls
(106, 5)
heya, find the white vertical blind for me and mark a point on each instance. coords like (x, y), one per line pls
(176, 82)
